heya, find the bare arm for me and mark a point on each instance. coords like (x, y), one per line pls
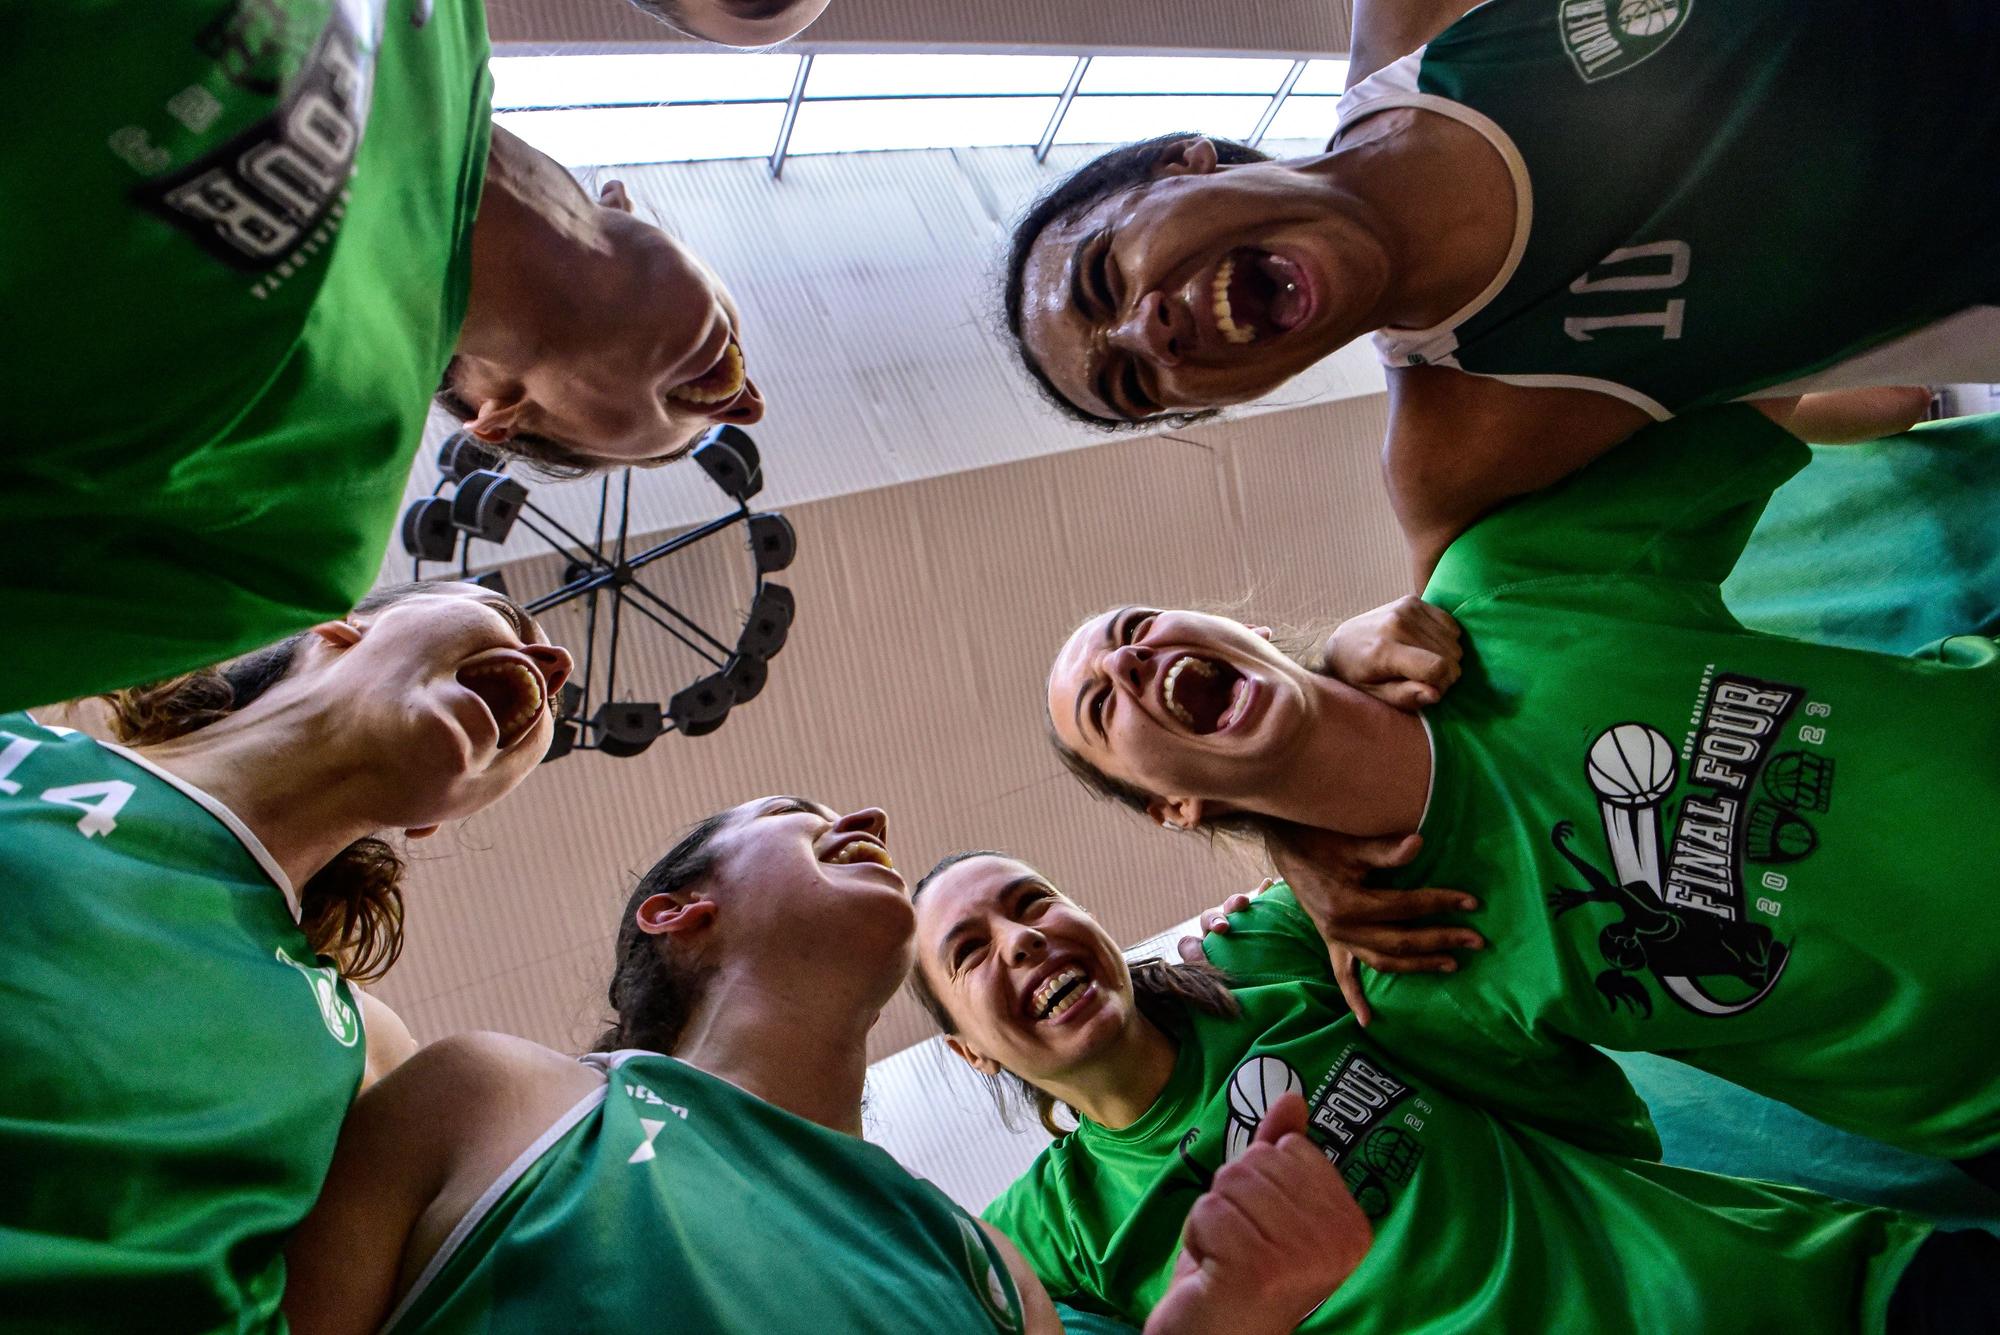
(414, 1154)
(1461, 444)
(1850, 416)
(1038, 1312)
(1385, 31)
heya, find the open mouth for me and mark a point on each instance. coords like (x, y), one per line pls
(1256, 293)
(1059, 992)
(1205, 694)
(512, 691)
(719, 383)
(861, 849)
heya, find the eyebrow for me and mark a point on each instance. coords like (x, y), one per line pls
(781, 806)
(964, 925)
(1111, 641)
(524, 625)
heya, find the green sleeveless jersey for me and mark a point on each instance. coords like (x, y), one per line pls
(1767, 858)
(673, 1200)
(1719, 197)
(234, 255)
(174, 1061)
(1480, 1223)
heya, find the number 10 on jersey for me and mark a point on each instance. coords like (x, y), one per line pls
(1659, 266)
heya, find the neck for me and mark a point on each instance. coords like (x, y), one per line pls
(1361, 767)
(795, 1043)
(1439, 203)
(282, 771)
(536, 232)
(1116, 1089)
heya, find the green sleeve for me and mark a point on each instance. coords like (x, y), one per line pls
(1033, 1213)
(1675, 502)
(1271, 941)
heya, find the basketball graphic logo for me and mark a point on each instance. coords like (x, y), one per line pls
(1632, 765)
(1253, 1088)
(1647, 18)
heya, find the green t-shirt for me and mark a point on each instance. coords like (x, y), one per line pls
(1480, 1223)
(672, 1200)
(175, 1062)
(1676, 244)
(1764, 857)
(227, 311)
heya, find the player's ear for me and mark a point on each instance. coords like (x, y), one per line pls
(983, 1065)
(1177, 813)
(681, 914)
(337, 634)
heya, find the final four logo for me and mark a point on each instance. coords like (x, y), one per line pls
(1607, 37)
(1682, 916)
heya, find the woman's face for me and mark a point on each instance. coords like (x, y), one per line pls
(797, 882)
(1183, 705)
(1202, 287)
(1034, 984)
(659, 361)
(447, 692)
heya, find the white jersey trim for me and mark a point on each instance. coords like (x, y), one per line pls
(1431, 783)
(1395, 86)
(1645, 403)
(561, 1127)
(214, 807)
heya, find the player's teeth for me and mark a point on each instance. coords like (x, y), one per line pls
(1219, 300)
(1050, 986)
(1202, 668)
(862, 850)
(730, 387)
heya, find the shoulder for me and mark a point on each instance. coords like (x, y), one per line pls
(388, 1039)
(475, 1087)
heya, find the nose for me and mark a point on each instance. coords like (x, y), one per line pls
(1149, 331)
(1128, 665)
(554, 661)
(746, 409)
(869, 820)
(1026, 945)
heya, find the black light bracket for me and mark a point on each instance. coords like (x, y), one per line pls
(487, 504)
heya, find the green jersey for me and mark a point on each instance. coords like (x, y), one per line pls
(237, 242)
(1720, 198)
(1762, 856)
(672, 1200)
(1480, 1223)
(177, 1061)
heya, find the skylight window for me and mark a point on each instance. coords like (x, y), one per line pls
(618, 109)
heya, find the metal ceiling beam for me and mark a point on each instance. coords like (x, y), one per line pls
(791, 117)
(1048, 139)
(1277, 101)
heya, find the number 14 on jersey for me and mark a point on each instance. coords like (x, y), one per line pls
(99, 802)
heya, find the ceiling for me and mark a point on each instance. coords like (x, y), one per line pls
(928, 613)
(952, 529)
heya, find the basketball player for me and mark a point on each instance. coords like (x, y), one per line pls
(1757, 855)
(185, 918)
(1565, 220)
(244, 241)
(704, 1170)
(1480, 1222)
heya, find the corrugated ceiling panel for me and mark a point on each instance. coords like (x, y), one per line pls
(867, 287)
